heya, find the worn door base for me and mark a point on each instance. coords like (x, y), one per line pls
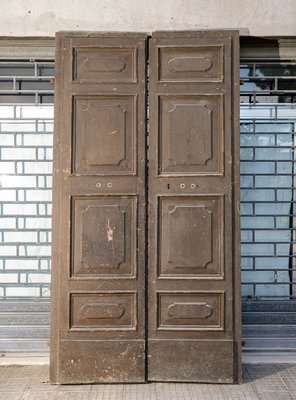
(102, 361)
(206, 361)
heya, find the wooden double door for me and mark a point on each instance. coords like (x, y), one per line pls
(145, 280)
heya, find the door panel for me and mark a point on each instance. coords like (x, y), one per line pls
(193, 331)
(101, 64)
(98, 305)
(191, 311)
(191, 232)
(103, 239)
(197, 63)
(194, 151)
(112, 311)
(104, 134)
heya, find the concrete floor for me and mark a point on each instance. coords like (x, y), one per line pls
(261, 382)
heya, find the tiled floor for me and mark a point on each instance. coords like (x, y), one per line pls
(261, 382)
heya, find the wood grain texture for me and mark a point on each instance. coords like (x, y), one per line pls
(193, 217)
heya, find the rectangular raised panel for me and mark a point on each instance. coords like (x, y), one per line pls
(191, 134)
(101, 64)
(103, 311)
(190, 237)
(190, 311)
(104, 135)
(191, 63)
(104, 236)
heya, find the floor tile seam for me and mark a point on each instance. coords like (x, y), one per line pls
(264, 392)
(287, 378)
(224, 393)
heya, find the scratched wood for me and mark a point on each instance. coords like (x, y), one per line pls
(98, 299)
(194, 264)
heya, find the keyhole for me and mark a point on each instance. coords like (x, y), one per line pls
(168, 185)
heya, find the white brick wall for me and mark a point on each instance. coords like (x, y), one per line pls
(22, 264)
(266, 194)
(7, 251)
(39, 195)
(26, 136)
(19, 209)
(38, 223)
(7, 195)
(6, 140)
(9, 278)
(40, 167)
(20, 237)
(8, 181)
(35, 278)
(7, 223)
(22, 291)
(18, 153)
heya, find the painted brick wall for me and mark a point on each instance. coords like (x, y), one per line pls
(26, 134)
(268, 122)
